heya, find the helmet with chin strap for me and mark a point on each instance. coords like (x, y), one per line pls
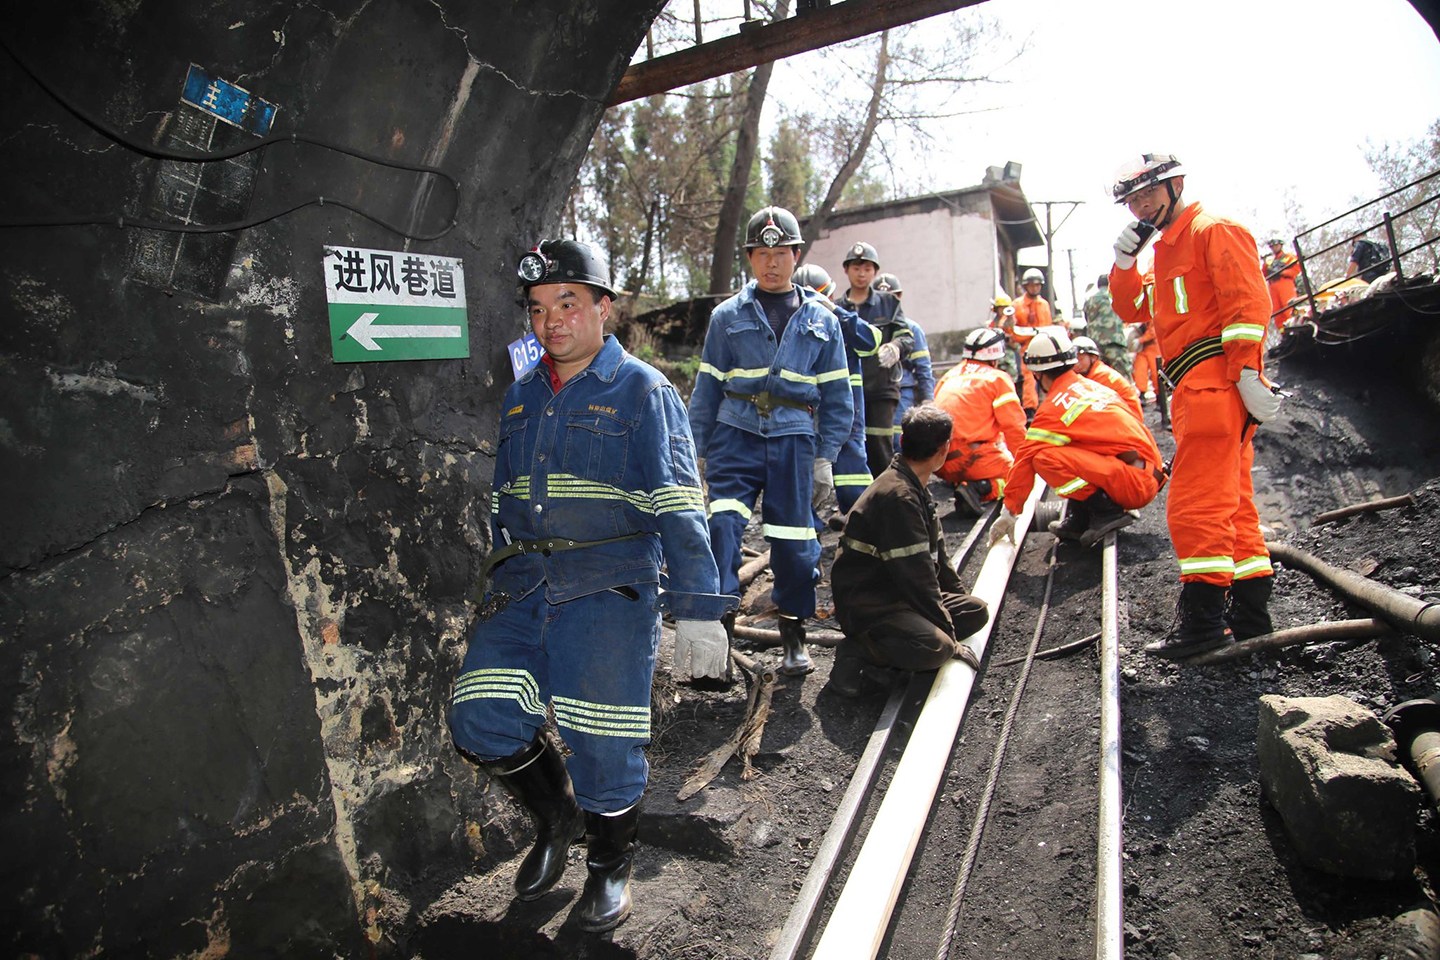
(1145, 171)
(1033, 275)
(1086, 345)
(986, 343)
(1050, 350)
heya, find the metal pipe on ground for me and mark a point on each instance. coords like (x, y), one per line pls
(1404, 612)
(1109, 897)
(1373, 506)
(862, 912)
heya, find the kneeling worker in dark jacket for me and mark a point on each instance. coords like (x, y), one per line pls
(896, 597)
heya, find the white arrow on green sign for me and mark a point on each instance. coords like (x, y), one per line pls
(392, 305)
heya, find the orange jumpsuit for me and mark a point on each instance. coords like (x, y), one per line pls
(982, 403)
(1208, 285)
(1075, 442)
(1145, 366)
(1031, 313)
(1280, 273)
(1102, 372)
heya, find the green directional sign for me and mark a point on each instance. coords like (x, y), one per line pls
(392, 305)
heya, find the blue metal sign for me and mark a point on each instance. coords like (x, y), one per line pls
(235, 105)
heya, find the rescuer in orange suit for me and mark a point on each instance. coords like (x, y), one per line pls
(1086, 444)
(1032, 311)
(1281, 269)
(1139, 316)
(1210, 309)
(983, 408)
(1089, 365)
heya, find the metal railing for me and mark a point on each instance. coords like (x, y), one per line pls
(1394, 261)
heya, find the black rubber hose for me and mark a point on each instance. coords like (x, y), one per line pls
(1404, 612)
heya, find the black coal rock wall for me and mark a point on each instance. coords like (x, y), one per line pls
(234, 574)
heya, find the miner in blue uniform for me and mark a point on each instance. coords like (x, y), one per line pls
(770, 411)
(852, 476)
(917, 377)
(881, 368)
(596, 487)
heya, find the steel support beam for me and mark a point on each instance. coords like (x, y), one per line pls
(775, 41)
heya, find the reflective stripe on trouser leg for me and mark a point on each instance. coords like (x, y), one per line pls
(1210, 488)
(735, 474)
(1077, 473)
(851, 474)
(1252, 557)
(879, 435)
(787, 523)
(599, 682)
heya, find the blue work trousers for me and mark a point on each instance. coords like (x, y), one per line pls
(738, 466)
(593, 658)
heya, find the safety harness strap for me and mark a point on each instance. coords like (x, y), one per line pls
(1201, 350)
(545, 547)
(766, 402)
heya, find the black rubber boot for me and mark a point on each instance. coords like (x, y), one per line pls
(605, 901)
(1076, 521)
(1248, 611)
(968, 499)
(536, 776)
(1105, 515)
(1200, 623)
(847, 676)
(796, 661)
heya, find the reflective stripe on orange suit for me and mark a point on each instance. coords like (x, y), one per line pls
(1074, 444)
(1102, 372)
(1145, 366)
(983, 406)
(1208, 284)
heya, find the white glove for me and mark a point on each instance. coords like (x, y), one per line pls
(889, 354)
(1262, 402)
(701, 648)
(1130, 242)
(824, 482)
(1004, 528)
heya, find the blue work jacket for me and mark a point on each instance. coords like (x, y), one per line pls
(915, 368)
(807, 366)
(608, 455)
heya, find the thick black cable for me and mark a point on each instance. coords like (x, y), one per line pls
(188, 156)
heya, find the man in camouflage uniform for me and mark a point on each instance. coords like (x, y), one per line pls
(1105, 328)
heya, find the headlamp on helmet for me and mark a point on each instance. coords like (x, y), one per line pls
(1146, 170)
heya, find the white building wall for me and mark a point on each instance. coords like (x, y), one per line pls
(946, 262)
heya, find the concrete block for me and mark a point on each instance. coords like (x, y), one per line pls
(1327, 765)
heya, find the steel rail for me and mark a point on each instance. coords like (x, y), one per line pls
(801, 921)
(1109, 897)
(862, 912)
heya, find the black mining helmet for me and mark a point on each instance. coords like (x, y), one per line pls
(564, 261)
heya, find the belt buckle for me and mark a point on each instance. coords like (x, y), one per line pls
(763, 406)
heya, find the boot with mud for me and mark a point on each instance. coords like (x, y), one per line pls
(796, 659)
(854, 676)
(1200, 623)
(605, 901)
(1248, 609)
(1075, 522)
(1105, 515)
(536, 776)
(970, 497)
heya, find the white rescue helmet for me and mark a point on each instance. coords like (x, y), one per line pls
(1085, 345)
(1143, 171)
(1050, 350)
(1033, 275)
(986, 343)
